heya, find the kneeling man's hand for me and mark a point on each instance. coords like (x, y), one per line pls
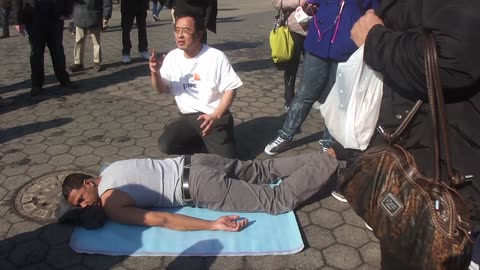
(229, 223)
(208, 121)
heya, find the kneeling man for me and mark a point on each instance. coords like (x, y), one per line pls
(128, 189)
(204, 84)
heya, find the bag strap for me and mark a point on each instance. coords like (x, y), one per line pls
(439, 119)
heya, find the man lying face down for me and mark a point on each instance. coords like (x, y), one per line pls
(128, 189)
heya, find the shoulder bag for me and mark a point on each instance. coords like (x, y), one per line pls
(420, 221)
(281, 42)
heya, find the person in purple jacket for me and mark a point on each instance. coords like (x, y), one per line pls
(327, 43)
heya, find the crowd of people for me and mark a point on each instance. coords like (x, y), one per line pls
(204, 86)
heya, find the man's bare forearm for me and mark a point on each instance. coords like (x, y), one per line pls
(225, 103)
(158, 84)
(138, 216)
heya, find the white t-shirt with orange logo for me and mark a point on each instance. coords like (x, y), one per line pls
(199, 83)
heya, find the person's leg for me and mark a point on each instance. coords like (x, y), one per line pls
(217, 190)
(159, 8)
(180, 137)
(221, 139)
(290, 74)
(316, 72)
(57, 53)
(79, 49)
(4, 12)
(97, 47)
(141, 18)
(126, 23)
(37, 41)
(154, 8)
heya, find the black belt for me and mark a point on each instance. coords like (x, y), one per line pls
(187, 198)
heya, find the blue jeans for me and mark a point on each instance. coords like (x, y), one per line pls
(317, 80)
(156, 7)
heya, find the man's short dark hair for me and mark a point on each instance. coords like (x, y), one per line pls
(198, 20)
(73, 181)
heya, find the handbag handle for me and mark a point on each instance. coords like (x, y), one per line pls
(438, 112)
(439, 119)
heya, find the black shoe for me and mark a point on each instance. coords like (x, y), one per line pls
(4, 36)
(97, 66)
(339, 196)
(69, 85)
(6, 102)
(35, 91)
(276, 146)
(76, 67)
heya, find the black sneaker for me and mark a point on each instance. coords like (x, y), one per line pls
(97, 67)
(35, 91)
(69, 84)
(76, 67)
(276, 146)
(339, 196)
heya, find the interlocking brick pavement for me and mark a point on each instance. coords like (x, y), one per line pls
(115, 115)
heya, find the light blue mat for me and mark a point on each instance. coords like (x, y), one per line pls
(265, 235)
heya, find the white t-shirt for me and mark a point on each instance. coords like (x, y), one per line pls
(149, 182)
(198, 83)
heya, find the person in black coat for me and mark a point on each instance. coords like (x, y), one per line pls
(43, 21)
(5, 8)
(394, 38)
(89, 17)
(205, 8)
(134, 10)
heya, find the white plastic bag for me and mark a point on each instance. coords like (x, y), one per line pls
(351, 109)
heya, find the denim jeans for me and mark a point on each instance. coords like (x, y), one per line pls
(317, 79)
(291, 68)
(156, 7)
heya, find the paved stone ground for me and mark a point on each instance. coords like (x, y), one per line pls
(116, 115)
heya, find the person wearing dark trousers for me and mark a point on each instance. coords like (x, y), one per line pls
(44, 21)
(5, 8)
(134, 10)
(298, 33)
(204, 86)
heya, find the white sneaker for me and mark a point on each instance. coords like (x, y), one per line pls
(368, 227)
(145, 55)
(126, 59)
(473, 266)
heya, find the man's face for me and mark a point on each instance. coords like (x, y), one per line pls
(186, 36)
(85, 196)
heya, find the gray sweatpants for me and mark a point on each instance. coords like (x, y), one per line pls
(231, 185)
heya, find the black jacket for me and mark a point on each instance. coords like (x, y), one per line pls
(90, 13)
(397, 51)
(5, 3)
(28, 11)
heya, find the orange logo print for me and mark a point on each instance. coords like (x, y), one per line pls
(196, 77)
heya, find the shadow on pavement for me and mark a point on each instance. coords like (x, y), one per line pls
(84, 85)
(185, 261)
(253, 65)
(228, 20)
(116, 28)
(252, 136)
(23, 130)
(46, 248)
(236, 45)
